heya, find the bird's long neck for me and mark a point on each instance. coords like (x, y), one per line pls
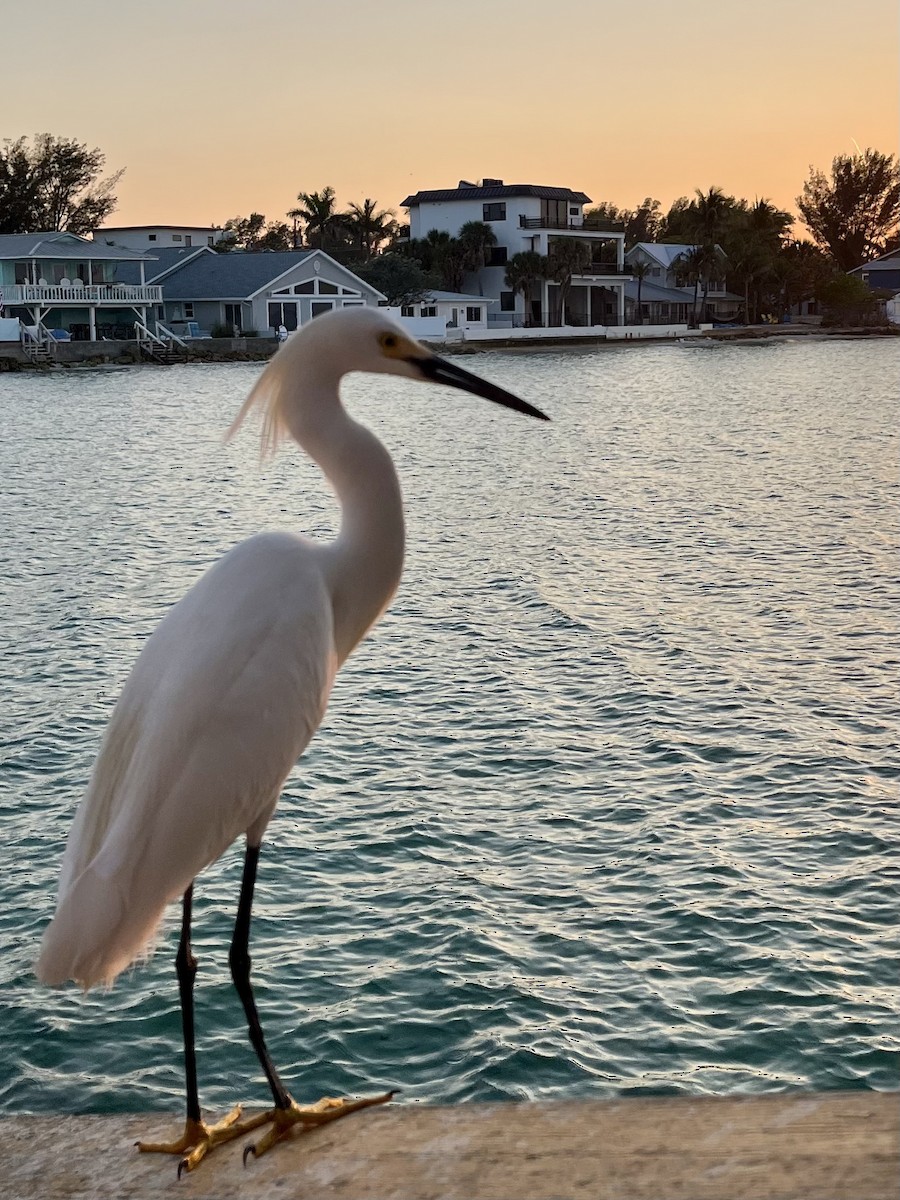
(366, 560)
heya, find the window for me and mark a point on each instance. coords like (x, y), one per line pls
(176, 237)
(318, 307)
(507, 301)
(407, 311)
(327, 289)
(151, 237)
(656, 272)
(305, 289)
(573, 211)
(233, 317)
(428, 310)
(22, 275)
(189, 312)
(283, 314)
(497, 256)
(494, 212)
(473, 313)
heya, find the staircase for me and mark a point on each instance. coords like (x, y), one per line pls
(165, 355)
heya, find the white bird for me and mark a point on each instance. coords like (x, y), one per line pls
(228, 691)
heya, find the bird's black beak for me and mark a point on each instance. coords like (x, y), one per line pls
(440, 371)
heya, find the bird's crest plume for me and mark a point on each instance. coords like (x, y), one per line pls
(268, 394)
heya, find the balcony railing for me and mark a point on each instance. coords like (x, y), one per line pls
(602, 268)
(90, 294)
(572, 224)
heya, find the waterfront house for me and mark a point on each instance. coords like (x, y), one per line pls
(880, 273)
(158, 237)
(531, 217)
(437, 312)
(253, 291)
(64, 282)
(669, 292)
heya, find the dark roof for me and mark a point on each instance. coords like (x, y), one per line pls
(236, 275)
(168, 258)
(64, 245)
(495, 191)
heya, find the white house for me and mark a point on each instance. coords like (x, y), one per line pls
(439, 312)
(157, 237)
(526, 216)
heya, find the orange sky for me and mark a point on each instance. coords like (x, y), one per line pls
(216, 110)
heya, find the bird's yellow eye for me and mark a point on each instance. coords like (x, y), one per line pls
(389, 343)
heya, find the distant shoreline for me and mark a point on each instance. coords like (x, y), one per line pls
(120, 355)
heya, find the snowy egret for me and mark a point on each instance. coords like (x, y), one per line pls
(226, 694)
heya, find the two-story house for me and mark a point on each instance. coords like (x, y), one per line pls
(526, 216)
(64, 282)
(667, 295)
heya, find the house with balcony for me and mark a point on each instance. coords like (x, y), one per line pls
(70, 284)
(526, 216)
(253, 291)
(666, 296)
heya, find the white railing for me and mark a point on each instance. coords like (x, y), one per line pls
(87, 293)
(164, 332)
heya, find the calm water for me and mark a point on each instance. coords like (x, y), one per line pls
(606, 804)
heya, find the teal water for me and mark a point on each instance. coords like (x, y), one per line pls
(608, 802)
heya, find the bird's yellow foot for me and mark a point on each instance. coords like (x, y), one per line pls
(308, 1116)
(199, 1138)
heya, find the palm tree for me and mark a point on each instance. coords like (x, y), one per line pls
(566, 258)
(640, 269)
(522, 271)
(370, 227)
(317, 212)
(690, 266)
(477, 238)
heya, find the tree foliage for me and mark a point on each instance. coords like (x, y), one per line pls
(398, 276)
(254, 233)
(854, 214)
(53, 184)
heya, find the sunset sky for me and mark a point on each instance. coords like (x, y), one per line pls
(219, 107)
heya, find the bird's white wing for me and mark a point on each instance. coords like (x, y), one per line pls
(221, 702)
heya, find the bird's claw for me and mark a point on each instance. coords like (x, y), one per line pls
(248, 1150)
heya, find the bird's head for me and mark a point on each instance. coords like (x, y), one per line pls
(357, 339)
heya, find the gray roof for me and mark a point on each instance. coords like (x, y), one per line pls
(240, 275)
(168, 258)
(885, 262)
(665, 252)
(235, 275)
(63, 245)
(495, 191)
(653, 293)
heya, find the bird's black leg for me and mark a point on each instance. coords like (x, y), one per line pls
(239, 959)
(186, 966)
(198, 1138)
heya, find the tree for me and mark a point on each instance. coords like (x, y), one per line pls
(640, 269)
(854, 215)
(690, 266)
(369, 227)
(476, 238)
(566, 257)
(324, 227)
(398, 276)
(642, 224)
(523, 271)
(53, 185)
(848, 301)
(801, 272)
(254, 233)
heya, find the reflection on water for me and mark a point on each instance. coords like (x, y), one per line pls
(606, 803)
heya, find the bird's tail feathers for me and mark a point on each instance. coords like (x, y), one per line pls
(95, 934)
(267, 394)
